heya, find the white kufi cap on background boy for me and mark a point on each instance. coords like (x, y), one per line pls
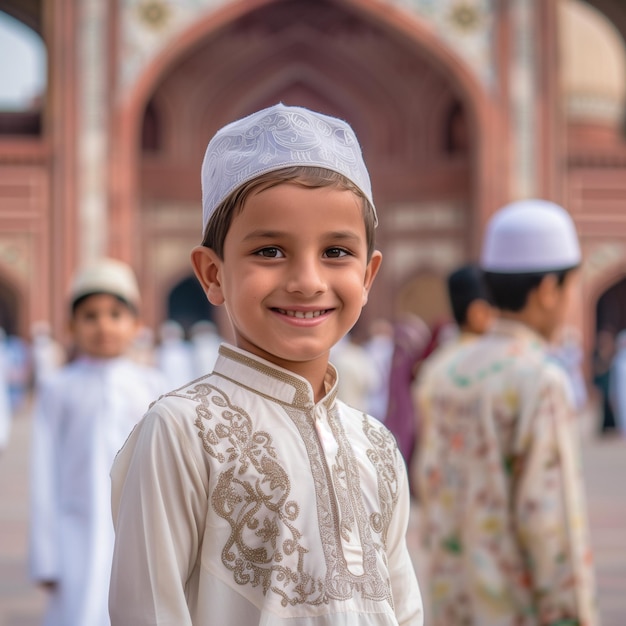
(106, 276)
(530, 236)
(276, 138)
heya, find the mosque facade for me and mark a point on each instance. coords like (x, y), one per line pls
(460, 106)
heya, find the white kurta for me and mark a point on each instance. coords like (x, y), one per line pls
(357, 373)
(617, 386)
(83, 415)
(47, 357)
(6, 414)
(380, 352)
(238, 500)
(204, 351)
(175, 359)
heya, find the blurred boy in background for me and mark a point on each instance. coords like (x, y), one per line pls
(83, 414)
(499, 474)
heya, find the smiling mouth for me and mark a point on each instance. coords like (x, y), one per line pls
(304, 315)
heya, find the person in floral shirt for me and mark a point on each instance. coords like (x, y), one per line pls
(499, 473)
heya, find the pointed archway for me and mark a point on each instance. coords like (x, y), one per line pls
(611, 308)
(419, 114)
(187, 304)
(9, 309)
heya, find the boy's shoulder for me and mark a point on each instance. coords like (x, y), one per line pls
(142, 371)
(64, 375)
(497, 357)
(74, 372)
(435, 367)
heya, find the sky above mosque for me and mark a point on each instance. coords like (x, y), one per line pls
(22, 64)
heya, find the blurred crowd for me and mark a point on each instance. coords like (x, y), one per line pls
(25, 365)
(383, 374)
(609, 378)
(383, 365)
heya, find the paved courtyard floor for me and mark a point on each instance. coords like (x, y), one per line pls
(21, 604)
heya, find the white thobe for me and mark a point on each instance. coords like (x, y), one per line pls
(175, 360)
(357, 374)
(380, 353)
(617, 387)
(239, 500)
(82, 417)
(47, 357)
(6, 414)
(204, 349)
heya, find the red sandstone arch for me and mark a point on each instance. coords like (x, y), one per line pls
(483, 116)
(16, 302)
(611, 277)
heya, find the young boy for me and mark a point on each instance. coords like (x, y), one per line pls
(83, 415)
(253, 495)
(500, 482)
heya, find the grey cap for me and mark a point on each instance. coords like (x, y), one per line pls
(275, 138)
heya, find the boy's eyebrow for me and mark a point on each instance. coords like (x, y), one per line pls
(264, 234)
(344, 235)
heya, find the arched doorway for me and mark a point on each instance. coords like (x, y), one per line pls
(611, 308)
(418, 111)
(610, 321)
(9, 309)
(23, 84)
(187, 304)
(426, 296)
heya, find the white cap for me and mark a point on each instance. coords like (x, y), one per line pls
(276, 138)
(106, 276)
(530, 236)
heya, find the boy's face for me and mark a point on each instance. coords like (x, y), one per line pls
(103, 327)
(295, 274)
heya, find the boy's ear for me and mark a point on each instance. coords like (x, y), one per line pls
(479, 316)
(370, 274)
(547, 292)
(207, 266)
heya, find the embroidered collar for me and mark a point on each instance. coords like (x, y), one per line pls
(267, 379)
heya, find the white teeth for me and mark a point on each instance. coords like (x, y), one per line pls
(301, 314)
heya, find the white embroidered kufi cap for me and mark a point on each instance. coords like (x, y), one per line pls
(530, 236)
(106, 276)
(275, 138)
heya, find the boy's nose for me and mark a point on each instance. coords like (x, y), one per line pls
(104, 323)
(306, 276)
(102, 326)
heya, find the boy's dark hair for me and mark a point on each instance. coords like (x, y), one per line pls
(313, 177)
(466, 285)
(510, 291)
(76, 303)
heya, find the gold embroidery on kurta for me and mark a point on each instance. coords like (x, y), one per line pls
(252, 494)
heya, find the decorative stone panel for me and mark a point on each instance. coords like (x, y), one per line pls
(148, 26)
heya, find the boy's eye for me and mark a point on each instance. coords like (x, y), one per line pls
(335, 253)
(270, 253)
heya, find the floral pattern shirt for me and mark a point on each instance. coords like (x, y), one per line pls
(501, 488)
